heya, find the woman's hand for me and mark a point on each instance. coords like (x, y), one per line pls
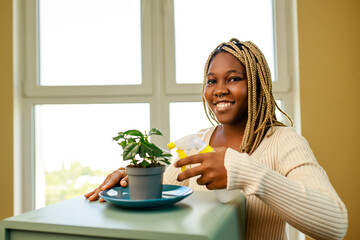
(212, 170)
(110, 181)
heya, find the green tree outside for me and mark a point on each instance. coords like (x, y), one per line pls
(64, 184)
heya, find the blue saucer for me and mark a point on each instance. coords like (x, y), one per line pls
(170, 195)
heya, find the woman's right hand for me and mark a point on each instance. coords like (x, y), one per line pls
(118, 176)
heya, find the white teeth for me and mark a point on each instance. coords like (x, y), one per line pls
(223, 104)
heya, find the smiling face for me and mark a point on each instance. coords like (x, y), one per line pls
(226, 89)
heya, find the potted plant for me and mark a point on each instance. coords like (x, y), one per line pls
(145, 171)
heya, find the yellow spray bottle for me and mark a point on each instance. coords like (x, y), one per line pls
(194, 142)
(187, 143)
(181, 148)
(181, 153)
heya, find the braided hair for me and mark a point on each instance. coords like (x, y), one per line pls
(261, 102)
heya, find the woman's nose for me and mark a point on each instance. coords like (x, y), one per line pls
(221, 90)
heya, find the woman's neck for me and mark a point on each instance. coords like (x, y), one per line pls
(229, 130)
(227, 135)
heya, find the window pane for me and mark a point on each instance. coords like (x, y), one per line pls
(187, 118)
(74, 147)
(211, 22)
(89, 42)
(279, 116)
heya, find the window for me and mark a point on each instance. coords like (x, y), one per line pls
(73, 146)
(202, 22)
(83, 42)
(183, 114)
(91, 68)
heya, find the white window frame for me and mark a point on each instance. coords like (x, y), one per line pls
(158, 86)
(31, 84)
(282, 83)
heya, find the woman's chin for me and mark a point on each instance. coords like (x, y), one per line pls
(228, 120)
(224, 121)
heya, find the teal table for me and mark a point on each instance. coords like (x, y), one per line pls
(200, 216)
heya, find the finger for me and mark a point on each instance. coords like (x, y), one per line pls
(124, 182)
(87, 195)
(106, 180)
(208, 183)
(197, 158)
(106, 186)
(192, 172)
(115, 178)
(94, 197)
(202, 181)
(211, 186)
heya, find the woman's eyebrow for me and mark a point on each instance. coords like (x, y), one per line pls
(227, 73)
(234, 71)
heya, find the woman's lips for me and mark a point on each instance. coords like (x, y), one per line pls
(223, 106)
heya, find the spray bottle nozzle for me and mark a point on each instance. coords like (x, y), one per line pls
(187, 143)
(171, 145)
(190, 142)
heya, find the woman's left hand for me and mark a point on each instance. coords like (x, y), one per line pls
(212, 170)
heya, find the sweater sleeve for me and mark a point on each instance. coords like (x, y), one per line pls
(299, 191)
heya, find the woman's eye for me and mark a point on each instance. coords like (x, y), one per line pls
(210, 81)
(235, 79)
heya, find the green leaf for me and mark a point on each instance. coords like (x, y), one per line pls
(134, 161)
(142, 151)
(119, 136)
(144, 163)
(123, 144)
(152, 149)
(131, 140)
(134, 132)
(155, 131)
(166, 155)
(116, 138)
(131, 150)
(165, 161)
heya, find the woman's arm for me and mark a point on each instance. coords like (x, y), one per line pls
(301, 193)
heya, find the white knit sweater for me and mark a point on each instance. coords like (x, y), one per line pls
(282, 182)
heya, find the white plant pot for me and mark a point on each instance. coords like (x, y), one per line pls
(145, 183)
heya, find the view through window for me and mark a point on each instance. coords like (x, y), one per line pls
(74, 147)
(207, 23)
(84, 43)
(89, 42)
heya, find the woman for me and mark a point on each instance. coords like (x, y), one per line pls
(273, 165)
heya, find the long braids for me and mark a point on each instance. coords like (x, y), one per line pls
(261, 102)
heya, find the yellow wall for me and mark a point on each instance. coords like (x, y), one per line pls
(6, 110)
(329, 59)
